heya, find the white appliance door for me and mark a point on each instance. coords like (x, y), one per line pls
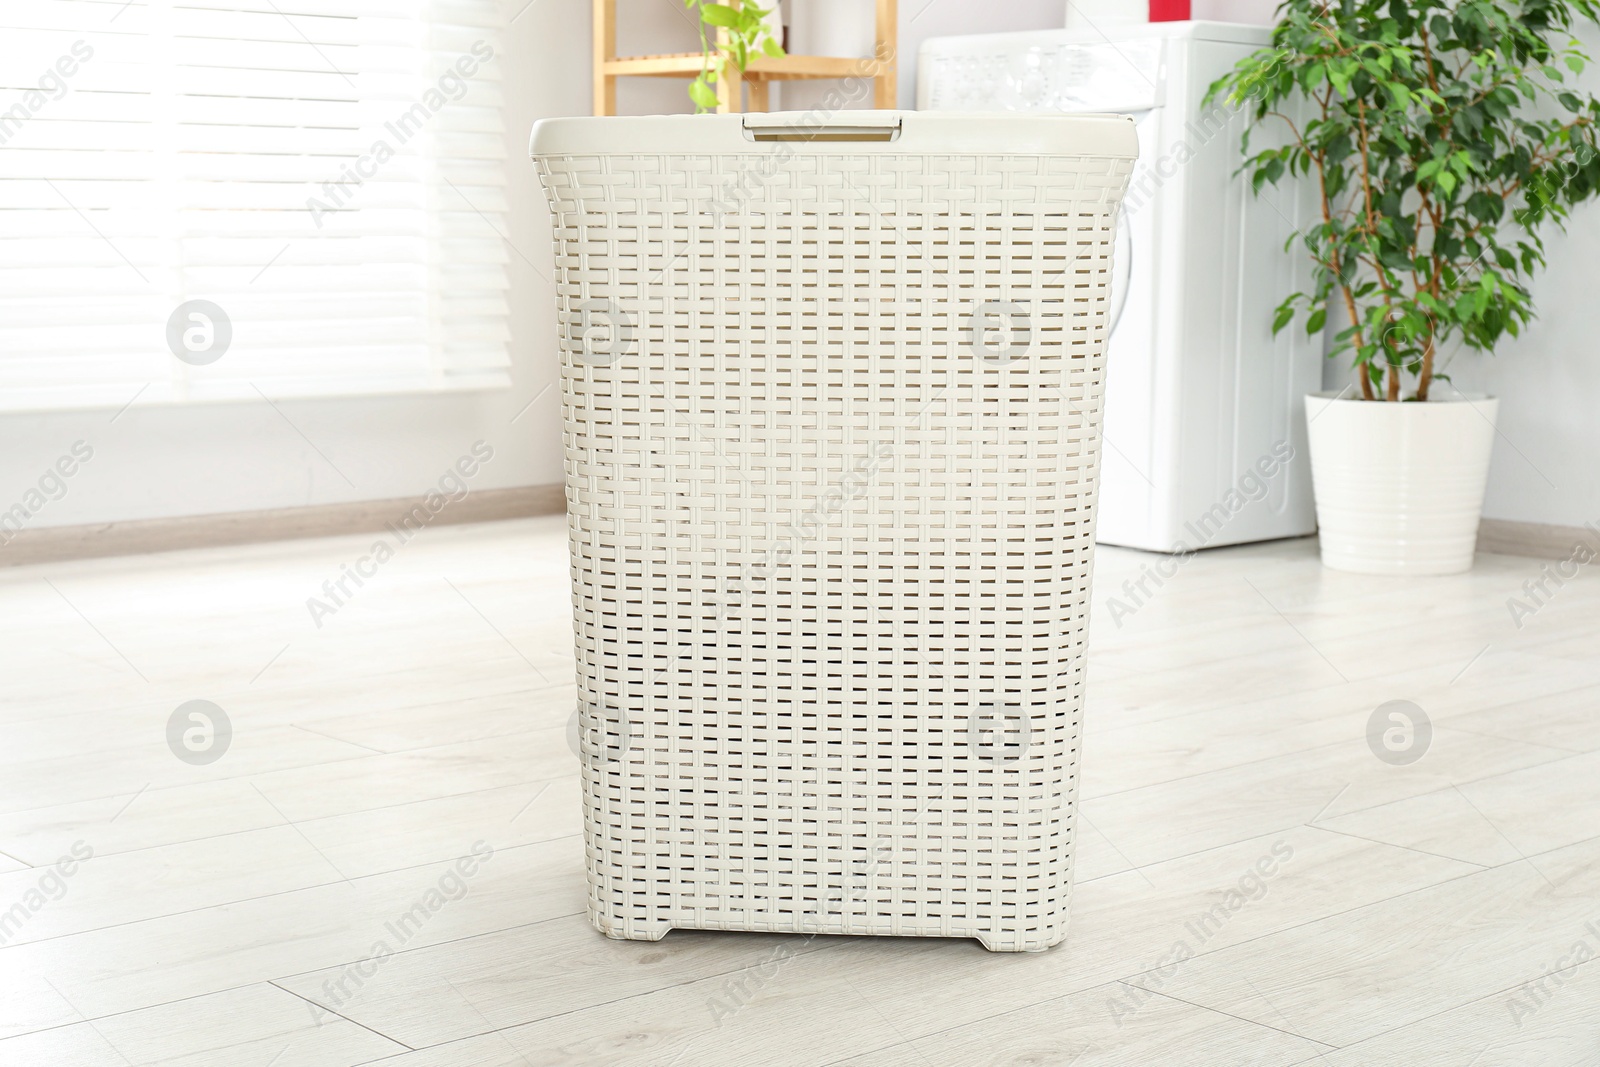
(1121, 270)
(1133, 435)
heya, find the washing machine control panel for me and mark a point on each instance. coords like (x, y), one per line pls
(1122, 76)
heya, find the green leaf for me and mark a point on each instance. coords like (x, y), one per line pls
(1284, 315)
(772, 48)
(702, 94)
(713, 14)
(1315, 321)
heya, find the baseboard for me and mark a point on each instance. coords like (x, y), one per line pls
(1536, 539)
(54, 543)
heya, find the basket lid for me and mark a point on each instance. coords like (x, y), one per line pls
(866, 132)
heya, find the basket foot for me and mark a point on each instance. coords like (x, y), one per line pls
(635, 932)
(1003, 943)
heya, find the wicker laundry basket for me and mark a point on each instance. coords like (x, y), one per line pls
(832, 396)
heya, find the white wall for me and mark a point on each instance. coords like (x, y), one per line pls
(1548, 381)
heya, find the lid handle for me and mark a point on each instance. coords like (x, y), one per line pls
(863, 126)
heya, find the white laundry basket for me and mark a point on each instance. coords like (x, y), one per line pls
(832, 397)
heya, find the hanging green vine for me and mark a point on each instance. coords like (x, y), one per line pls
(748, 35)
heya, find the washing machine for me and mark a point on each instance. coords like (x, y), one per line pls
(1205, 440)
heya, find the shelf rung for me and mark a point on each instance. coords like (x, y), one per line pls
(764, 68)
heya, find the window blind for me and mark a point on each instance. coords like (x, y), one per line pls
(327, 177)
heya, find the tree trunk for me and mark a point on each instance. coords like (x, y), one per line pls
(1426, 380)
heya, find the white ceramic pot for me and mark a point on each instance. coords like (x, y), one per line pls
(1399, 487)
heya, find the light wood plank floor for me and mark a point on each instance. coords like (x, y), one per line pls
(1255, 885)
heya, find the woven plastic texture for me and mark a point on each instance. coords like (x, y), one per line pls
(832, 428)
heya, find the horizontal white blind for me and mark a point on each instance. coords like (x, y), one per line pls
(328, 173)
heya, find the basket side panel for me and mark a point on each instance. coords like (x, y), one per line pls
(832, 441)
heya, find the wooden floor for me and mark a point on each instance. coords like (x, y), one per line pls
(1255, 885)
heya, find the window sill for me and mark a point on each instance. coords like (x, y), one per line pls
(120, 396)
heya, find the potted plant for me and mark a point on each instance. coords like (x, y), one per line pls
(1443, 137)
(738, 31)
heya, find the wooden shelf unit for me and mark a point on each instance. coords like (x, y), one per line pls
(762, 72)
